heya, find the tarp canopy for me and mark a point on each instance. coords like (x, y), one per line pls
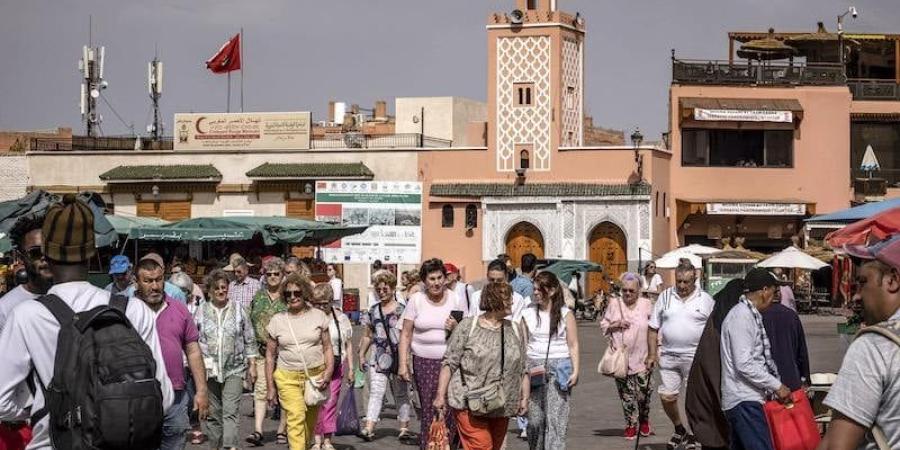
(876, 228)
(124, 224)
(857, 212)
(273, 230)
(35, 205)
(793, 258)
(565, 269)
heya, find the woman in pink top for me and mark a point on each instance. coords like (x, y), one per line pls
(625, 322)
(427, 323)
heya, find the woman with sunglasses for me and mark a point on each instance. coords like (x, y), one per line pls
(341, 332)
(229, 352)
(298, 348)
(625, 324)
(266, 304)
(652, 282)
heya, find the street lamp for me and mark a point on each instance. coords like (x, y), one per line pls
(636, 139)
(840, 27)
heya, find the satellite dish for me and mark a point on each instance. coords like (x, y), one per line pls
(516, 17)
(95, 93)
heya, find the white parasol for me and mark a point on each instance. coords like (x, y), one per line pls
(671, 259)
(792, 258)
(869, 161)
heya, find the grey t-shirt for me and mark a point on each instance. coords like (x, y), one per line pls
(867, 389)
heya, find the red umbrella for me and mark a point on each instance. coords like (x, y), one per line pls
(867, 231)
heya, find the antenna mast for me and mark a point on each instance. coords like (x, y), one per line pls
(154, 86)
(91, 68)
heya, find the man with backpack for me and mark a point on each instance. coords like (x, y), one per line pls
(865, 397)
(178, 337)
(95, 362)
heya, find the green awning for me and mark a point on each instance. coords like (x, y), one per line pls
(273, 230)
(564, 269)
(124, 224)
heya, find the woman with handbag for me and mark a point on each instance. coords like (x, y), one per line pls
(483, 376)
(427, 324)
(625, 325)
(553, 363)
(299, 360)
(341, 332)
(382, 328)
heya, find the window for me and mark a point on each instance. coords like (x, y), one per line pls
(471, 216)
(737, 148)
(523, 94)
(884, 138)
(570, 97)
(656, 205)
(447, 216)
(531, 4)
(665, 206)
(524, 161)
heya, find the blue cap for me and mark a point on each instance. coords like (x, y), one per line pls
(119, 264)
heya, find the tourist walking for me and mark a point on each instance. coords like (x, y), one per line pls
(382, 329)
(337, 286)
(28, 238)
(340, 331)
(483, 374)
(427, 323)
(523, 283)
(496, 273)
(651, 282)
(178, 338)
(29, 338)
(120, 271)
(244, 287)
(865, 397)
(680, 316)
(183, 281)
(229, 351)
(625, 324)
(266, 303)
(298, 357)
(459, 287)
(749, 374)
(553, 363)
(788, 341)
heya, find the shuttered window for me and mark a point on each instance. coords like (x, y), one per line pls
(165, 210)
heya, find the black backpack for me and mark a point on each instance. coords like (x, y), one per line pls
(104, 394)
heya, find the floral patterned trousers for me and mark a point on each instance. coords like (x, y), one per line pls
(634, 390)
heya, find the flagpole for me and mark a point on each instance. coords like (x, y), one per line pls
(228, 95)
(241, 50)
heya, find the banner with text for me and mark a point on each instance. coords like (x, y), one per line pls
(391, 209)
(242, 131)
(757, 209)
(740, 115)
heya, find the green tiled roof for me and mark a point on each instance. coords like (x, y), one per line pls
(311, 170)
(537, 190)
(176, 172)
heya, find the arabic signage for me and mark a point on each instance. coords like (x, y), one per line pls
(242, 131)
(391, 209)
(740, 115)
(757, 209)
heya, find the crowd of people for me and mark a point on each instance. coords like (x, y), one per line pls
(470, 360)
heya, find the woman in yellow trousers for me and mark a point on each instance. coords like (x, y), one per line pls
(298, 345)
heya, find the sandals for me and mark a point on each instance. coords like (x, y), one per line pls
(197, 438)
(281, 438)
(255, 439)
(367, 435)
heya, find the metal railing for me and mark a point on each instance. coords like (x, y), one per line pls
(359, 140)
(891, 176)
(86, 143)
(780, 74)
(874, 89)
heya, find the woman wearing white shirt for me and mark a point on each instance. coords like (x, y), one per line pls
(553, 363)
(337, 287)
(651, 282)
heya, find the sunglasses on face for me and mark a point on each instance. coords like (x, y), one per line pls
(221, 288)
(273, 274)
(33, 253)
(293, 294)
(629, 290)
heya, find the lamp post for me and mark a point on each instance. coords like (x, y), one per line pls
(840, 27)
(636, 139)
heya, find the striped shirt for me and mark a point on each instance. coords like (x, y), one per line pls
(242, 292)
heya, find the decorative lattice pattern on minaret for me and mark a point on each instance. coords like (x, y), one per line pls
(571, 102)
(523, 60)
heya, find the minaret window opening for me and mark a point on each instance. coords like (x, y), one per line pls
(523, 94)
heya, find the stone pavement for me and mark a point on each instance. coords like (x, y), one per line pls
(596, 419)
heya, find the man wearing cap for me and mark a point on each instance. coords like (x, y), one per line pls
(120, 270)
(171, 290)
(678, 318)
(178, 337)
(463, 290)
(28, 238)
(749, 373)
(866, 392)
(28, 341)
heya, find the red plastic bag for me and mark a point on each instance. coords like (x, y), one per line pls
(438, 435)
(793, 426)
(14, 437)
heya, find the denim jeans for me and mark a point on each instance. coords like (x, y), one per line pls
(176, 423)
(749, 429)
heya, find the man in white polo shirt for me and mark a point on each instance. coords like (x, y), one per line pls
(679, 317)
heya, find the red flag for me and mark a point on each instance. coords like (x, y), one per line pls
(228, 57)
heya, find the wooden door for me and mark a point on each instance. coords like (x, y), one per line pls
(171, 210)
(301, 209)
(607, 247)
(524, 238)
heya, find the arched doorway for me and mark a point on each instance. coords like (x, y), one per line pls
(524, 238)
(607, 246)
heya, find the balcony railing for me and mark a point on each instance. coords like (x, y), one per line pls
(359, 140)
(872, 89)
(331, 140)
(780, 74)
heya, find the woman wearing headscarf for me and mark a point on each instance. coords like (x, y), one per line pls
(703, 397)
